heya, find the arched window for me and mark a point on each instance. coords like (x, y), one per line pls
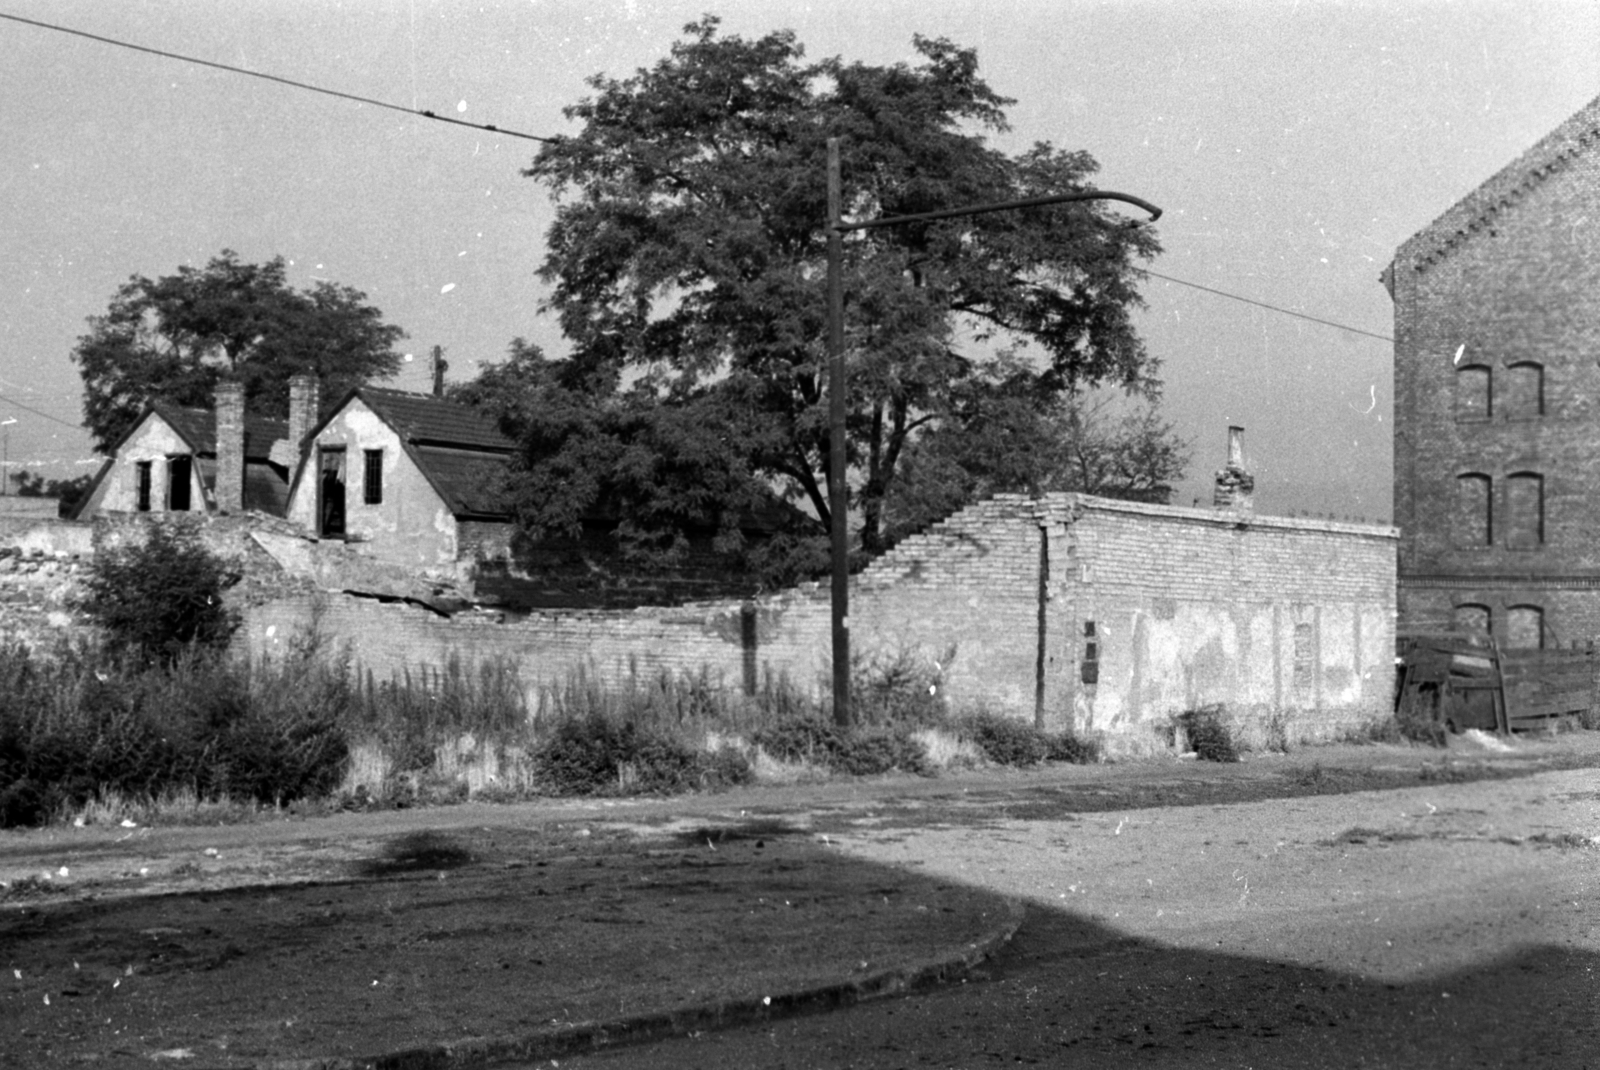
(1474, 396)
(1471, 617)
(1524, 526)
(1473, 522)
(1522, 397)
(1525, 627)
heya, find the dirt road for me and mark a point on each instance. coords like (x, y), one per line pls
(1446, 925)
(1264, 914)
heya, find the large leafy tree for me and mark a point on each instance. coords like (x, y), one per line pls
(172, 338)
(655, 473)
(689, 248)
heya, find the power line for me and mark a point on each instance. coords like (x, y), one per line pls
(36, 412)
(535, 137)
(1274, 308)
(274, 78)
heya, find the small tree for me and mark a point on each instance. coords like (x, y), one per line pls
(158, 597)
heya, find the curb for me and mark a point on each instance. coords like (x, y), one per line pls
(575, 1037)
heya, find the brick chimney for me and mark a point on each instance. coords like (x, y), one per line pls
(439, 366)
(305, 405)
(1235, 488)
(230, 447)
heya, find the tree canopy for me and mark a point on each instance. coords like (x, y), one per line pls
(1091, 443)
(174, 337)
(687, 259)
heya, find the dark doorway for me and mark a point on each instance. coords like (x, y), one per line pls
(178, 477)
(330, 519)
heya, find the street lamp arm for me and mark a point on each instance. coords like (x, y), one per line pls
(1001, 206)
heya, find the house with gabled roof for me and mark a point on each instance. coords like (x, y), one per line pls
(183, 460)
(411, 479)
(1497, 401)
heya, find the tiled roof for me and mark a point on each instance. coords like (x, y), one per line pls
(199, 428)
(266, 488)
(469, 480)
(422, 419)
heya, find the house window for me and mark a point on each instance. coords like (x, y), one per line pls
(1473, 522)
(1474, 399)
(1471, 617)
(1525, 627)
(1524, 511)
(144, 478)
(178, 483)
(372, 477)
(1524, 391)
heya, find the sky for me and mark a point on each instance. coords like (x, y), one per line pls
(1293, 146)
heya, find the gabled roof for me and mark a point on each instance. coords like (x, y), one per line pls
(458, 450)
(266, 484)
(1579, 136)
(423, 419)
(198, 427)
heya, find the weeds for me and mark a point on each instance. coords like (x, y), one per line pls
(89, 735)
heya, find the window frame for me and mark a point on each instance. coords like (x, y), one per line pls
(372, 477)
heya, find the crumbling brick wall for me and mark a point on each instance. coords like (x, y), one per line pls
(1275, 616)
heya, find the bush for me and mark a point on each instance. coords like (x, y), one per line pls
(1006, 740)
(81, 725)
(1209, 734)
(902, 689)
(856, 751)
(159, 596)
(1068, 747)
(597, 756)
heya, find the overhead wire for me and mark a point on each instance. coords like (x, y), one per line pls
(37, 412)
(424, 113)
(1263, 304)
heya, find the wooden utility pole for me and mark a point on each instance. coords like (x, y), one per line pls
(838, 500)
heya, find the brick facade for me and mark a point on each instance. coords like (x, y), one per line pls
(1497, 336)
(1277, 618)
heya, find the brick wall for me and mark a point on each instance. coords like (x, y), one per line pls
(1276, 617)
(1497, 329)
(1284, 621)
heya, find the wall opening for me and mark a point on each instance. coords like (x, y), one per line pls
(372, 477)
(1524, 391)
(1525, 627)
(1471, 617)
(178, 481)
(330, 496)
(1474, 398)
(1305, 659)
(1472, 522)
(144, 480)
(1524, 511)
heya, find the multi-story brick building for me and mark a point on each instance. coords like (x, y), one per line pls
(1497, 401)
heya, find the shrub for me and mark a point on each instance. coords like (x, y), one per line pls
(902, 689)
(597, 756)
(1209, 734)
(1068, 747)
(1006, 740)
(857, 751)
(156, 597)
(80, 725)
